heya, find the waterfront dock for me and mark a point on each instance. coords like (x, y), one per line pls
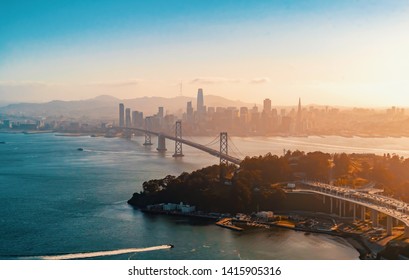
(227, 223)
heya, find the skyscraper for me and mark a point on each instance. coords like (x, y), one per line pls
(267, 107)
(138, 121)
(299, 126)
(189, 112)
(244, 115)
(121, 115)
(128, 117)
(161, 112)
(135, 118)
(200, 101)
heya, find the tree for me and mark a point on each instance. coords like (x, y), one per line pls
(315, 165)
(341, 164)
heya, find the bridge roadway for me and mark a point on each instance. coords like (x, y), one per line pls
(211, 151)
(389, 206)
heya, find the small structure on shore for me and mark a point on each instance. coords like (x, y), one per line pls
(227, 223)
(183, 208)
(265, 215)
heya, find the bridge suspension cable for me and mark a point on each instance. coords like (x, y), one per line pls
(187, 137)
(221, 152)
(235, 149)
(215, 140)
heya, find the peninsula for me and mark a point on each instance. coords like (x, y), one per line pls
(265, 184)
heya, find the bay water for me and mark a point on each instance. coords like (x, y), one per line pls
(55, 199)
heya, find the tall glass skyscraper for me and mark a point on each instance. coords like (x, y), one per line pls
(128, 117)
(200, 102)
(121, 115)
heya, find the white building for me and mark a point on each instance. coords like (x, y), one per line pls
(265, 215)
(170, 206)
(186, 208)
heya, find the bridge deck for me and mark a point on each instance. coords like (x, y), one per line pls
(211, 151)
(391, 207)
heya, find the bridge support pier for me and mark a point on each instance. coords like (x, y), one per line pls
(374, 218)
(323, 199)
(354, 211)
(340, 207)
(345, 207)
(363, 210)
(331, 205)
(161, 143)
(406, 233)
(389, 225)
(148, 141)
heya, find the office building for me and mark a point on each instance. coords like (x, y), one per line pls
(161, 112)
(121, 115)
(267, 107)
(128, 117)
(189, 112)
(200, 102)
(299, 125)
(134, 118)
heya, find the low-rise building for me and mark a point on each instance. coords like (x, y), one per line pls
(170, 207)
(265, 215)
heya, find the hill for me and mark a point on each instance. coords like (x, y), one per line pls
(105, 107)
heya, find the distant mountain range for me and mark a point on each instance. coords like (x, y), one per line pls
(105, 107)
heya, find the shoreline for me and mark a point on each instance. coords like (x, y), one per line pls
(355, 240)
(282, 135)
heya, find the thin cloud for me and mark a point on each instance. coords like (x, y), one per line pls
(125, 83)
(24, 84)
(213, 80)
(46, 84)
(260, 80)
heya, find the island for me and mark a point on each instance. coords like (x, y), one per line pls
(260, 193)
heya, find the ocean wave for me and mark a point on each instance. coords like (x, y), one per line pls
(103, 253)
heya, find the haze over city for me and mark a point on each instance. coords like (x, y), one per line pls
(220, 130)
(349, 53)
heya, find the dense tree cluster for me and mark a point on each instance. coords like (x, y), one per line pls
(391, 173)
(244, 190)
(253, 185)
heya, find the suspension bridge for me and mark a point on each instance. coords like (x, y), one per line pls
(378, 204)
(222, 153)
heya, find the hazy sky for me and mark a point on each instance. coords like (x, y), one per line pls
(352, 53)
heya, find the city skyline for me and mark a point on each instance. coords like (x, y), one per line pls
(268, 120)
(230, 130)
(207, 117)
(348, 53)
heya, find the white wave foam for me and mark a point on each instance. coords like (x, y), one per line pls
(104, 253)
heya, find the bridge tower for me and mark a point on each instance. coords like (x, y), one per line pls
(224, 148)
(161, 143)
(148, 141)
(178, 144)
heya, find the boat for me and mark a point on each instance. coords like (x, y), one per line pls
(80, 149)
